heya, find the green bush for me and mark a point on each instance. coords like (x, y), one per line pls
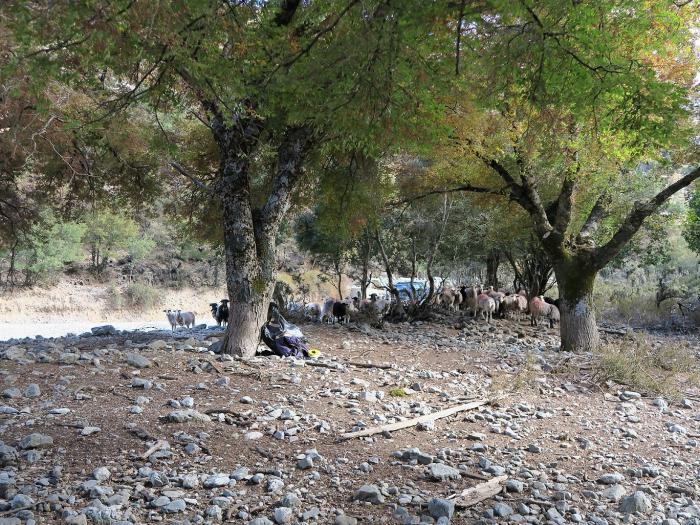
(136, 296)
(48, 246)
(651, 368)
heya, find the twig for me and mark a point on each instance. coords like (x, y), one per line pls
(415, 421)
(473, 495)
(160, 444)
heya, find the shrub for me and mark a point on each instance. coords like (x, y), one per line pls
(136, 296)
(651, 368)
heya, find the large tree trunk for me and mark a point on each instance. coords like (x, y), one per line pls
(249, 267)
(579, 332)
(493, 261)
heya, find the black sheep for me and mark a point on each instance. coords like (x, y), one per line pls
(340, 312)
(555, 302)
(214, 311)
(222, 313)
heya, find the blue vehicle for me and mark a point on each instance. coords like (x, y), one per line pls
(420, 288)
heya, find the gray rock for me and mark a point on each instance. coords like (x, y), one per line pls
(158, 479)
(12, 393)
(101, 474)
(370, 493)
(344, 519)
(214, 512)
(513, 485)
(176, 505)
(438, 508)
(76, 519)
(186, 414)
(32, 390)
(21, 501)
(260, 521)
(637, 502)
(442, 472)
(614, 493)
(239, 473)
(139, 382)
(137, 360)
(275, 485)
(290, 500)
(502, 510)
(611, 479)
(283, 515)
(8, 456)
(216, 480)
(107, 329)
(36, 440)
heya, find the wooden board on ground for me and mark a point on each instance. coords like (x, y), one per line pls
(415, 421)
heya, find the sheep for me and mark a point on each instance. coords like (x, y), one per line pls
(341, 312)
(486, 306)
(553, 315)
(450, 298)
(214, 310)
(497, 298)
(380, 306)
(515, 304)
(222, 313)
(326, 311)
(469, 298)
(509, 305)
(185, 319)
(555, 302)
(538, 308)
(172, 318)
(312, 311)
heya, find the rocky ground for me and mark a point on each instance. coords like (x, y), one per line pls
(140, 428)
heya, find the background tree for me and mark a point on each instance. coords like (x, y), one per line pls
(329, 250)
(271, 82)
(691, 228)
(49, 245)
(575, 99)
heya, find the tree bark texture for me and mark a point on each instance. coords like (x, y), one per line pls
(579, 332)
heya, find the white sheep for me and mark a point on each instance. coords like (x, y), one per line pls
(185, 319)
(172, 318)
(486, 306)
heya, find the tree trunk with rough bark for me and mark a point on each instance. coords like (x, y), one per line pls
(493, 261)
(579, 332)
(249, 234)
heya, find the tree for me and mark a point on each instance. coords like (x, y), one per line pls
(108, 232)
(691, 228)
(575, 98)
(328, 249)
(49, 245)
(272, 82)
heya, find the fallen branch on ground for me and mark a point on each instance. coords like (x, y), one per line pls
(473, 495)
(160, 444)
(612, 331)
(415, 421)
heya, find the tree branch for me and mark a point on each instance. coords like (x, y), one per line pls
(635, 219)
(467, 188)
(595, 217)
(564, 202)
(291, 154)
(182, 171)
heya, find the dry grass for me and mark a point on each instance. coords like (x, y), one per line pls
(648, 368)
(94, 303)
(524, 379)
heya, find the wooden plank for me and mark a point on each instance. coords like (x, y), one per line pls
(415, 421)
(473, 495)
